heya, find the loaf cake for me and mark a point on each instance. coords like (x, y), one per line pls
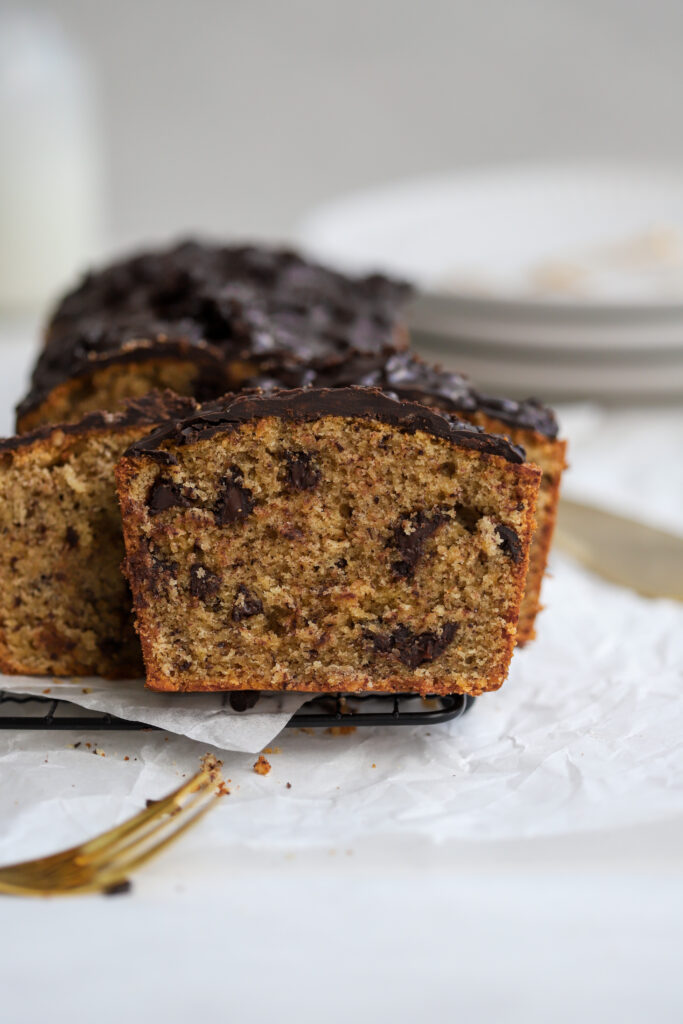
(197, 319)
(529, 424)
(65, 608)
(326, 540)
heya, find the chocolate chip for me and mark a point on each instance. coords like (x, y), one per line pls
(241, 700)
(413, 649)
(341, 563)
(164, 494)
(71, 537)
(246, 604)
(410, 542)
(203, 583)
(235, 502)
(301, 473)
(510, 544)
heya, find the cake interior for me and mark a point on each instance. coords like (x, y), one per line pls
(65, 607)
(333, 555)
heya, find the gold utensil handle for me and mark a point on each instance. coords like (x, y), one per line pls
(648, 560)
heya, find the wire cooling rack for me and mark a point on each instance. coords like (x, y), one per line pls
(28, 712)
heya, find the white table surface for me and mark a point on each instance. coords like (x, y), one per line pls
(247, 926)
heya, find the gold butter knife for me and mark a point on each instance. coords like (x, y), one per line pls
(648, 560)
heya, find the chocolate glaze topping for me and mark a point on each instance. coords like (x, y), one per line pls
(155, 407)
(409, 377)
(217, 304)
(305, 404)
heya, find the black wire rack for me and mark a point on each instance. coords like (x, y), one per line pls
(19, 712)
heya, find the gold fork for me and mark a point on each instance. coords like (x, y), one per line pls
(103, 864)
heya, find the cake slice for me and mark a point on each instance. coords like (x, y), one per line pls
(527, 423)
(326, 541)
(65, 608)
(198, 318)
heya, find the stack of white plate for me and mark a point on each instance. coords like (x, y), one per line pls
(563, 281)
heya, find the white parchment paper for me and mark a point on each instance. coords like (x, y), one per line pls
(207, 717)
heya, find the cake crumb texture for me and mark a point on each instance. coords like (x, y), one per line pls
(340, 554)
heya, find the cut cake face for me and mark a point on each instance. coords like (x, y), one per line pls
(326, 541)
(65, 607)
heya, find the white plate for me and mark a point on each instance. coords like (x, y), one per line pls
(565, 238)
(520, 373)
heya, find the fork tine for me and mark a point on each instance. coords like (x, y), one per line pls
(158, 808)
(120, 847)
(121, 872)
(42, 867)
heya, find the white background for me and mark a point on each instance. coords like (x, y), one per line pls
(237, 116)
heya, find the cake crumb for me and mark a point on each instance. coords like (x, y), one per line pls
(48, 690)
(118, 888)
(288, 785)
(272, 750)
(341, 730)
(213, 766)
(262, 766)
(86, 689)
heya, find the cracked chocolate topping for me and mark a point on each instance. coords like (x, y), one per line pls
(409, 377)
(306, 404)
(215, 304)
(155, 407)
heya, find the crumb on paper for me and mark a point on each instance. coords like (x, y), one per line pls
(374, 765)
(118, 888)
(48, 690)
(341, 730)
(288, 785)
(86, 689)
(262, 766)
(213, 766)
(272, 750)
(126, 758)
